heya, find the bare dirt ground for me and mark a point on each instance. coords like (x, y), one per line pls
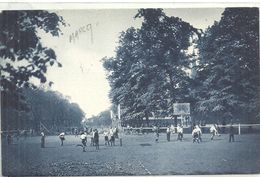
(139, 155)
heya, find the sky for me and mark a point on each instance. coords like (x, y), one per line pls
(82, 77)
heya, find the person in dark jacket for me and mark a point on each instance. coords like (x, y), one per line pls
(168, 133)
(156, 131)
(231, 133)
(96, 139)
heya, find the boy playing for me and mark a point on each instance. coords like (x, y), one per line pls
(62, 137)
(83, 138)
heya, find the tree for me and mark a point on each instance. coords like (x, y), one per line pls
(229, 66)
(21, 49)
(148, 72)
(22, 55)
(102, 119)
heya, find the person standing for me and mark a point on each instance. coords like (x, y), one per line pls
(213, 131)
(31, 132)
(231, 133)
(76, 132)
(109, 137)
(131, 130)
(42, 140)
(128, 129)
(141, 130)
(92, 143)
(156, 131)
(116, 132)
(106, 138)
(62, 138)
(96, 139)
(196, 134)
(168, 133)
(112, 137)
(180, 132)
(172, 129)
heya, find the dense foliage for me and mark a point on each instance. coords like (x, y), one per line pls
(228, 74)
(23, 59)
(22, 55)
(46, 107)
(150, 69)
(148, 75)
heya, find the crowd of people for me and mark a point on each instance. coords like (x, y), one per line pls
(196, 132)
(169, 131)
(109, 136)
(112, 133)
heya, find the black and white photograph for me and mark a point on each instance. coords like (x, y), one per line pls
(130, 91)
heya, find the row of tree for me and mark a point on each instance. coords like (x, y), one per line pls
(152, 65)
(42, 109)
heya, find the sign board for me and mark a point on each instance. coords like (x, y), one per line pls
(181, 108)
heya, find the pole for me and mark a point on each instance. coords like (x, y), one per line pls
(119, 111)
(239, 129)
(175, 122)
(111, 114)
(112, 117)
(121, 142)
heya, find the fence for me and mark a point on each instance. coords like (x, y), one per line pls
(239, 129)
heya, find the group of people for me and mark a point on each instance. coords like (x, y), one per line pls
(61, 136)
(94, 139)
(171, 129)
(109, 136)
(196, 133)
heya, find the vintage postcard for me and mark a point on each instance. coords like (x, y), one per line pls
(92, 89)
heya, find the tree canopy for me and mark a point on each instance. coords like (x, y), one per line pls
(24, 58)
(148, 73)
(150, 70)
(228, 72)
(22, 55)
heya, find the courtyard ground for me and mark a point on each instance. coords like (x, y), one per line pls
(139, 155)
